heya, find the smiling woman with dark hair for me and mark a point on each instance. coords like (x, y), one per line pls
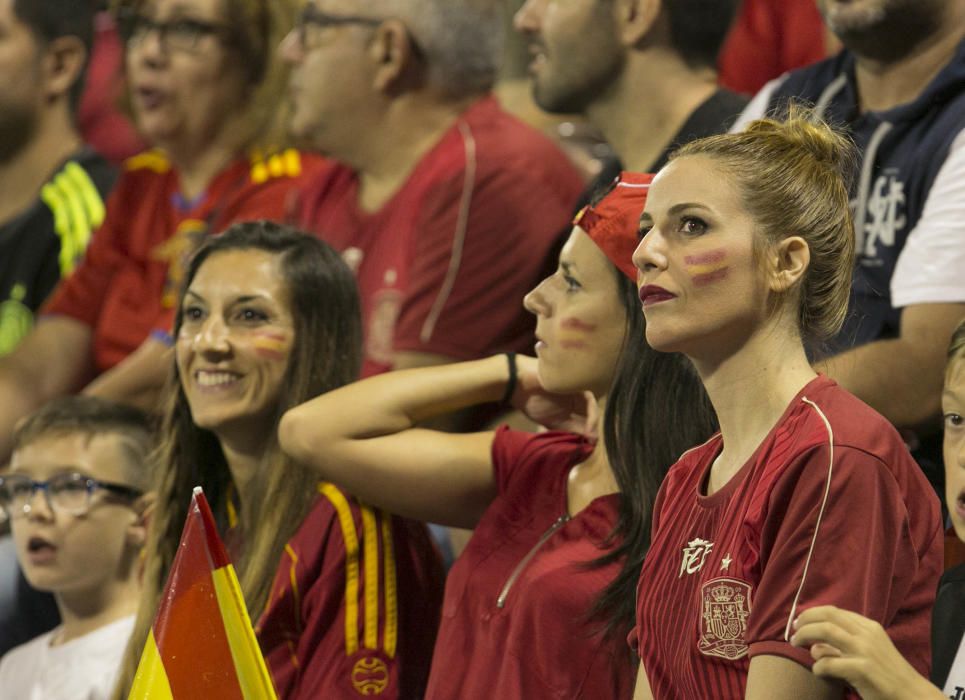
(269, 318)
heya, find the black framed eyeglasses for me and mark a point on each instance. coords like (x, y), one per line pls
(184, 34)
(70, 492)
(311, 20)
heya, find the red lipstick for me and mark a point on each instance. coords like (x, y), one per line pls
(652, 294)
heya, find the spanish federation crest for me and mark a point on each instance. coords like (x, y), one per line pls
(725, 607)
(694, 555)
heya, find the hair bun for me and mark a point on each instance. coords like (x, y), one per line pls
(793, 178)
(803, 129)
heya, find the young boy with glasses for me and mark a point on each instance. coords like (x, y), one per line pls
(74, 493)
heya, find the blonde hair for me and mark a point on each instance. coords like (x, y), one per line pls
(257, 28)
(792, 176)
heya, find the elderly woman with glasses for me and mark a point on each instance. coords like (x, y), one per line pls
(204, 88)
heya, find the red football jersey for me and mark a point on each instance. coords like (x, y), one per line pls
(127, 285)
(444, 264)
(354, 607)
(515, 617)
(830, 509)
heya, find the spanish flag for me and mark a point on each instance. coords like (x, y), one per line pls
(201, 644)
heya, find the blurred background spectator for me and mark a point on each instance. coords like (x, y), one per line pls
(52, 185)
(899, 89)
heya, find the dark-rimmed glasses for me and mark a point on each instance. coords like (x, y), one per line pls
(183, 34)
(311, 19)
(70, 492)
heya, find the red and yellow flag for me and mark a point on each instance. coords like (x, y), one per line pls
(202, 644)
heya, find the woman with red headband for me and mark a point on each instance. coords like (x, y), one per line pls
(540, 602)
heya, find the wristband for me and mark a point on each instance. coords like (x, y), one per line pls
(511, 382)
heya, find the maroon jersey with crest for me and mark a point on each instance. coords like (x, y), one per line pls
(354, 606)
(830, 509)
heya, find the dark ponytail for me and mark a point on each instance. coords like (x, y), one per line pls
(656, 410)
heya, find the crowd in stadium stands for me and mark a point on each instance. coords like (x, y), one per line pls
(299, 253)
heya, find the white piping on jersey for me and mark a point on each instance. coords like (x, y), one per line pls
(557, 524)
(459, 238)
(817, 525)
(637, 185)
(701, 445)
(833, 88)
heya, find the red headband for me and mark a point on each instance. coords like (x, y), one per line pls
(612, 223)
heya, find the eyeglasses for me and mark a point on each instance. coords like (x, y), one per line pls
(177, 35)
(311, 20)
(69, 492)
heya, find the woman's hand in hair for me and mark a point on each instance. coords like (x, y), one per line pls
(857, 650)
(575, 413)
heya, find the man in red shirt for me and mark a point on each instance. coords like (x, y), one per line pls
(445, 206)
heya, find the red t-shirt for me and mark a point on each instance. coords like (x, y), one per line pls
(355, 604)
(769, 38)
(539, 644)
(830, 509)
(444, 264)
(127, 285)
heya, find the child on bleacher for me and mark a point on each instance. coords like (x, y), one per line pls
(74, 494)
(855, 649)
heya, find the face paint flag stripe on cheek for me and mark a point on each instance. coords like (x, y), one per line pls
(575, 324)
(708, 267)
(273, 346)
(572, 332)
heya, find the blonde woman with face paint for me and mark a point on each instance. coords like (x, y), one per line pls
(540, 602)
(806, 496)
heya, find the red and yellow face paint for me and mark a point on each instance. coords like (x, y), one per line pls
(574, 332)
(707, 268)
(271, 345)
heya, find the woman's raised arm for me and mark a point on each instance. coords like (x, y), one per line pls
(362, 437)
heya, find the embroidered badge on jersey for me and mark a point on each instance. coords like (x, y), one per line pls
(353, 258)
(725, 607)
(370, 676)
(694, 555)
(386, 304)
